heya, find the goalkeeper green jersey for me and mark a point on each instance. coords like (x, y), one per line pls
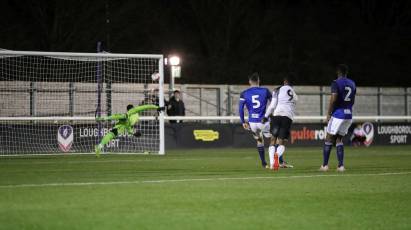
(129, 119)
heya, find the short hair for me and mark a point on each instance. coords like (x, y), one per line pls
(343, 69)
(290, 78)
(254, 77)
(130, 106)
(176, 91)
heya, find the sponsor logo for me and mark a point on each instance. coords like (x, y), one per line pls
(398, 133)
(206, 135)
(65, 136)
(306, 134)
(368, 129)
(94, 132)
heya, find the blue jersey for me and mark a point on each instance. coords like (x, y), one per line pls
(345, 90)
(256, 99)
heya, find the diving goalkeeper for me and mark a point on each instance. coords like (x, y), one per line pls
(125, 124)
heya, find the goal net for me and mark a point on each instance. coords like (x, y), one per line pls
(49, 101)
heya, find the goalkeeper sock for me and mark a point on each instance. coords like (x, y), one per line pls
(107, 138)
(326, 152)
(340, 154)
(260, 148)
(271, 151)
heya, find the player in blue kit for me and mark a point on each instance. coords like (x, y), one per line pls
(339, 116)
(256, 99)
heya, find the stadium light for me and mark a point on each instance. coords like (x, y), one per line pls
(175, 70)
(174, 60)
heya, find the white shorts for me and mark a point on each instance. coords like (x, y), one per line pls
(259, 130)
(338, 126)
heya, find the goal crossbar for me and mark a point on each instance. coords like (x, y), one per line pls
(70, 54)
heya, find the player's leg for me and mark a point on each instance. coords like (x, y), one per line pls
(257, 134)
(340, 153)
(332, 129)
(327, 147)
(261, 152)
(107, 138)
(283, 136)
(272, 150)
(342, 131)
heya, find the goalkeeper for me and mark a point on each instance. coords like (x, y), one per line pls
(125, 124)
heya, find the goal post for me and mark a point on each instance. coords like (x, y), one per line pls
(49, 101)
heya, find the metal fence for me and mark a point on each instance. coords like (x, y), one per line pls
(78, 99)
(216, 100)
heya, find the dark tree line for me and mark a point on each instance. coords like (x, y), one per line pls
(221, 41)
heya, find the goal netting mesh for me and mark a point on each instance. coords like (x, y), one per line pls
(49, 101)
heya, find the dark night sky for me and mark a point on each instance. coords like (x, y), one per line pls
(224, 41)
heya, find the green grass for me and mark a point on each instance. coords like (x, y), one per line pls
(207, 189)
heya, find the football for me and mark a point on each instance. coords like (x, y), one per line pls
(155, 76)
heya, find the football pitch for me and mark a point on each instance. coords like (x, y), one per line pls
(207, 189)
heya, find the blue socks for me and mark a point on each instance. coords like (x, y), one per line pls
(260, 149)
(340, 154)
(326, 152)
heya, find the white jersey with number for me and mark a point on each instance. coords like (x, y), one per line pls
(283, 102)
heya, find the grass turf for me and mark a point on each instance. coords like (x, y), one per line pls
(207, 189)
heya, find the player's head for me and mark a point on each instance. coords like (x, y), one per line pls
(289, 79)
(342, 70)
(130, 106)
(254, 79)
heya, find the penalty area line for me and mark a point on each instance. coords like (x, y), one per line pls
(195, 180)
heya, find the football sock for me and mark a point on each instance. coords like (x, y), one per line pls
(107, 138)
(326, 152)
(271, 151)
(340, 154)
(281, 159)
(280, 150)
(260, 148)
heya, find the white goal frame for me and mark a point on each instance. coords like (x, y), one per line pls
(68, 55)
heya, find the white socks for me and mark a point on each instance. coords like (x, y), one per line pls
(280, 150)
(271, 151)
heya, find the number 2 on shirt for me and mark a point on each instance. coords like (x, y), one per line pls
(348, 91)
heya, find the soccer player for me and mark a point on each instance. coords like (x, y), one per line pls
(282, 109)
(256, 99)
(339, 116)
(125, 124)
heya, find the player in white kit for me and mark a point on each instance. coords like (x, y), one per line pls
(281, 112)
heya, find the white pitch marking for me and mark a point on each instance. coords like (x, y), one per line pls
(196, 179)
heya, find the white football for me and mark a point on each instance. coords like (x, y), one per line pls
(155, 76)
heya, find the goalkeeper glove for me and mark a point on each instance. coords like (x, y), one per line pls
(264, 120)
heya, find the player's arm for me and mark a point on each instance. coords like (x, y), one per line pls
(271, 107)
(295, 97)
(141, 108)
(116, 117)
(241, 112)
(332, 101)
